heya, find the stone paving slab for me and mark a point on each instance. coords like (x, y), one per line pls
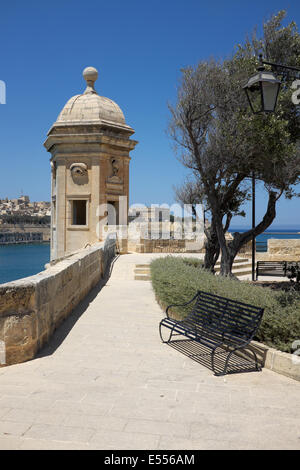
(106, 381)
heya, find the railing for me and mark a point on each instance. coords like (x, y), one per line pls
(109, 250)
(261, 247)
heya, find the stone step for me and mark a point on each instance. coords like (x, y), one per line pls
(146, 277)
(142, 271)
(218, 263)
(236, 261)
(142, 277)
(244, 273)
(239, 272)
(242, 267)
(239, 267)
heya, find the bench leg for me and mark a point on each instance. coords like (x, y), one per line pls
(257, 365)
(161, 337)
(212, 360)
(225, 366)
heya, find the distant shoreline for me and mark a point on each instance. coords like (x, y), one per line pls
(31, 242)
(282, 233)
(293, 232)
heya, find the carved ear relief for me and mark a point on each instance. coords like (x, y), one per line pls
(114, 166)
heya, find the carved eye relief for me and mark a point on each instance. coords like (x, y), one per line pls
(78, 169)
(79, 173)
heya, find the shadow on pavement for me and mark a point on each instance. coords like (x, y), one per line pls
(66, 326)
(201, 354)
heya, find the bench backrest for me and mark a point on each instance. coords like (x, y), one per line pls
(274, 266)
(226, 315)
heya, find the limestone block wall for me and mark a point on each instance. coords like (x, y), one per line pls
(164, 246)
(9, 238)
(287, 249)
(32, 308)
(157, 246)
(9, 229)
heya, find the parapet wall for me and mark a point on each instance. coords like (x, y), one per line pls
(32, 308)
(287, 249)
(157, 246)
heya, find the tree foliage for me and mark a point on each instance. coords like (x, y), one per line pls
(223, 144)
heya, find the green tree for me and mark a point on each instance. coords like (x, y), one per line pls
(223, 144)
(192, 192)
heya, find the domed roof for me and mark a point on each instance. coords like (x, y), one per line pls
(89, 107)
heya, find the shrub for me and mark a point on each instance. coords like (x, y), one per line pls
(176, 281)
(197, 263)
(294, 274)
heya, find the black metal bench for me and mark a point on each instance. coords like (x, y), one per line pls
(273, 268)
(216, 322)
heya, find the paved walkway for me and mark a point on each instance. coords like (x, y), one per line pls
(107, 382)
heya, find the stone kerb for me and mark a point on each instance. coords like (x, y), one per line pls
(32, 308)
(280, 362)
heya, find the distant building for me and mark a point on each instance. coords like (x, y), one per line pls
(149, 214)
(22, 206)
(24, 199)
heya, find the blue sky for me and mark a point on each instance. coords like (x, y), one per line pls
(138, 48)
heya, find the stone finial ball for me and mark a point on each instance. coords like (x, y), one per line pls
(90, 74)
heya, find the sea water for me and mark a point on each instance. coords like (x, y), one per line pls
(18, 261)
(262, 239)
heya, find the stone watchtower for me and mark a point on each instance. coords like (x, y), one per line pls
(89, 145)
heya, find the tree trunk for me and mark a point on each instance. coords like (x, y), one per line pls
(230, 250)
(217, 215)
(212, 248)
(227, 260)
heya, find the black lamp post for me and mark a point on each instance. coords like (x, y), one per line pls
(253, 226)
(262, 92)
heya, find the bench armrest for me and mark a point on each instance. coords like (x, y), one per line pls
(181, 305)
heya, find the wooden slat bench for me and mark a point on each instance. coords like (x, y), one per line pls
(273, 268)
(216, 322)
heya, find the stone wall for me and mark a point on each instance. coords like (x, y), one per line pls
(287, 249)
(11, 238)
(32, 308)
(144, 238)
(11, 231)
(156, 246)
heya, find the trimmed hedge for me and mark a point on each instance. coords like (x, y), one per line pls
(175, 280)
